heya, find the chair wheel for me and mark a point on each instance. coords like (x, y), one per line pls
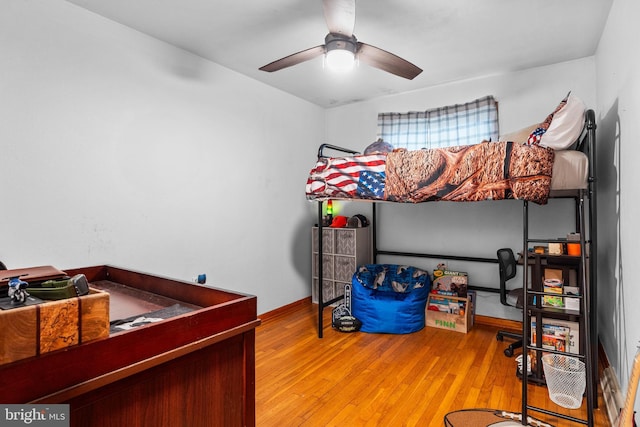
(508, 352)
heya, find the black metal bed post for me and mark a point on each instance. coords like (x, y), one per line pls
(374, 233)
(320, 278)
(593, 239)
(587, 315)
(525, 324)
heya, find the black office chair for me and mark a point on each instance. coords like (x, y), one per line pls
(512, 298)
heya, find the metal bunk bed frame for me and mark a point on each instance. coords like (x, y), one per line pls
(589, 300)
(374, 224)
(588, 277)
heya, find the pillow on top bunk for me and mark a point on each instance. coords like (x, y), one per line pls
(562, 127)
(520, 136)
(566, 126)
(379, 146)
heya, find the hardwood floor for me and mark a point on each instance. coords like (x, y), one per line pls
(362, 379)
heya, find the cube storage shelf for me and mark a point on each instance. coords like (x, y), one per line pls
(344, 250)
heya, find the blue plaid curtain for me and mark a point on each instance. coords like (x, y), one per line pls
(460, 124)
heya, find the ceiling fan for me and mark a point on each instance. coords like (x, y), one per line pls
(340, 16)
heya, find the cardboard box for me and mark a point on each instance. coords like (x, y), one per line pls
(52, 325)
(458, 319)
(556, 248)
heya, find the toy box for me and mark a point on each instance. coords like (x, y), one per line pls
(449, 312)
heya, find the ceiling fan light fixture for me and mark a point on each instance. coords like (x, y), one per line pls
(340, 53)
(340, 60)
(341, 49)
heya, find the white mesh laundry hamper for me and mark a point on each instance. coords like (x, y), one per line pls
(566, 379)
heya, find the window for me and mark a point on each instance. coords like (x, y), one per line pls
(460, 124)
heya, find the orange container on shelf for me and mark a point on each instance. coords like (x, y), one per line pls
(573, 249)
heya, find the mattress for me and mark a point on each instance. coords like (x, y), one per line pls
(570, 170)
(487, 171)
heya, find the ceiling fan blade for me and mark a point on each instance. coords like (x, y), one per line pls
(340, 16)
(294, 59)
(387, 61)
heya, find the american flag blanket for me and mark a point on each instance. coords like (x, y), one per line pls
(354, 177)
(486, 171)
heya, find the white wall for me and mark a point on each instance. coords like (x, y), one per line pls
(120, 149)
(471, 229)
(618, 90)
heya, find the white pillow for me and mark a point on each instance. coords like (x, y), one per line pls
(566, 126)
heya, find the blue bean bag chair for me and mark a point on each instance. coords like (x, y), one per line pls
(389, 298)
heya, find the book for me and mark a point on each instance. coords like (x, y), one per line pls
(572, 303)
(471, 295)
(555, 337)
(446, 305)
(446, 282)
(552, 286)
(557, 333)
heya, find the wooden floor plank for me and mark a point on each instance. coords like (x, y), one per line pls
(365, 379)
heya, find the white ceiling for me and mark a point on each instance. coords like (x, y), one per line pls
(449, 39)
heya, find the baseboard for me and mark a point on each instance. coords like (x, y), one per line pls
(506, 324)
(510, 325)
(281, 311)
(611, 392)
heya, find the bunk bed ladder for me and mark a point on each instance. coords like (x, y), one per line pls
(589, 279)
(589, 355)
